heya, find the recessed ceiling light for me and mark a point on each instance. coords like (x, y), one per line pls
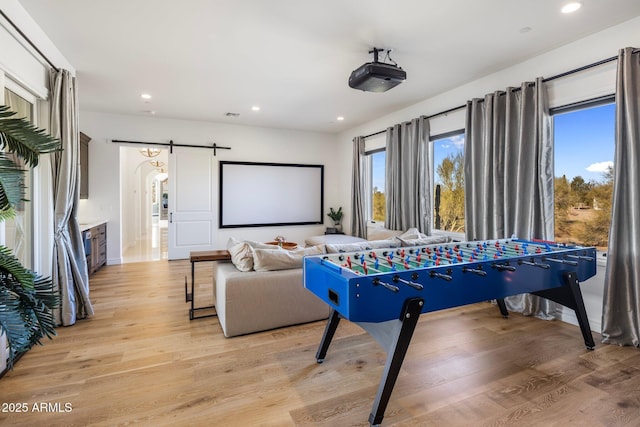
(145, 96)
(339, 118)
(571, 7)
(255, 108)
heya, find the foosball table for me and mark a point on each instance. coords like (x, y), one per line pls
(384, 291)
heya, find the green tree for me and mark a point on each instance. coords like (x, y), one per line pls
(580, 191)
(563, 202)
(379, 205)
(595, 232)
(451, 176)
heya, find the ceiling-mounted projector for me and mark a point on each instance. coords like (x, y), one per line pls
(377, 76)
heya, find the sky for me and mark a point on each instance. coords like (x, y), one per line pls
(583, 145)
(584, 142)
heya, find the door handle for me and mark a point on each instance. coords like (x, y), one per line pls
(170, 217)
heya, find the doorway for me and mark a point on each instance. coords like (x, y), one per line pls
(145, 198)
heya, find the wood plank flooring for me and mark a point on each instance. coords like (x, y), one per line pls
(140, 361)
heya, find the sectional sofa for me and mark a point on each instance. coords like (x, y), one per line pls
(261, 288)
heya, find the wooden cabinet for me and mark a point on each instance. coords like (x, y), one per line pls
(95, 246)
(84, 166)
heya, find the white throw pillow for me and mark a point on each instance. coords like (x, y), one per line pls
(241, 255)
(282, 259)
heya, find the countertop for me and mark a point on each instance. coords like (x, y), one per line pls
(85, 225)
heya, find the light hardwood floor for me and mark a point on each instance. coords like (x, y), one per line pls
(140, 361)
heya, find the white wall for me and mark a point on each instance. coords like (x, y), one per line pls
(576, 87)
(247, 144)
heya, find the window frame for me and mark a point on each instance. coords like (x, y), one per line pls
(432, 139)
(577, 106)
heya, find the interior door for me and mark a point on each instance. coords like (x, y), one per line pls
(191, 201)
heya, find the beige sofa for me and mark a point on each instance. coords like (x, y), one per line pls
(262, 287)
(255, 301)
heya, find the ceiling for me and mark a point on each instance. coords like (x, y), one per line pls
(201, 59)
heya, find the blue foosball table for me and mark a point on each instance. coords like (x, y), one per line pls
(384, 291)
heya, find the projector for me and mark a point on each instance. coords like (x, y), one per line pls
(376, 77)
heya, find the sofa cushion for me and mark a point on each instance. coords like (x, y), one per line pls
(242, 254)
(362, 246)
(257, 301)
(281, 259)
(428, 240)
(332, 239)
(381, 233)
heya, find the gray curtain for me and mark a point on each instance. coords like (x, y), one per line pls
(70, 275)
(621, 305)
(358, 214)
(408, 176)
(509, 174)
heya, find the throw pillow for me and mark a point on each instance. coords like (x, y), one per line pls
(241, 255)
(282, 259)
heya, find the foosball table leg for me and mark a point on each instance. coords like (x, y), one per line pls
(503, 307)
(570, 296)
(395, 357)
(329, 330)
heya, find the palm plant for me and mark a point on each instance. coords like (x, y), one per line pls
(27, 300)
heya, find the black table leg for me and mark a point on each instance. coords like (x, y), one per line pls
(395, 357)
(503, 307)
(329, 330)
(570, 296)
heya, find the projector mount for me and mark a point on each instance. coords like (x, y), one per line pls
(387, 57)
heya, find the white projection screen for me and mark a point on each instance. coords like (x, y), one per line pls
(267, 194)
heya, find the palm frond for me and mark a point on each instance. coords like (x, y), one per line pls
(19, 136)
(28, 300)
(12, 189)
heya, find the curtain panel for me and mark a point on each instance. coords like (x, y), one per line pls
(70, 276)
(358, 185)
(621, 305)
(408, 176)
(508, 162)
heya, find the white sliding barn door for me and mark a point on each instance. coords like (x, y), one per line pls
(191, 201)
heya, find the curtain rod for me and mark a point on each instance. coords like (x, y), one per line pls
(171, 144)
(548, 79)
(28, 40)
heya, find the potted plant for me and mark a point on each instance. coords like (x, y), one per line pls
(27, 300)
(336, 217)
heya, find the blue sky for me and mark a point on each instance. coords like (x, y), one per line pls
(583, 145)
(584, 142)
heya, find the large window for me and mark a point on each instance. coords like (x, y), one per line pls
(19, 229)
(448, 203)
(584, 141)
(378, 202)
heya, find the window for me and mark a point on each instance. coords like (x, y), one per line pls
(19, 229)
(448, 190)
(584, 142)
(378, 202)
